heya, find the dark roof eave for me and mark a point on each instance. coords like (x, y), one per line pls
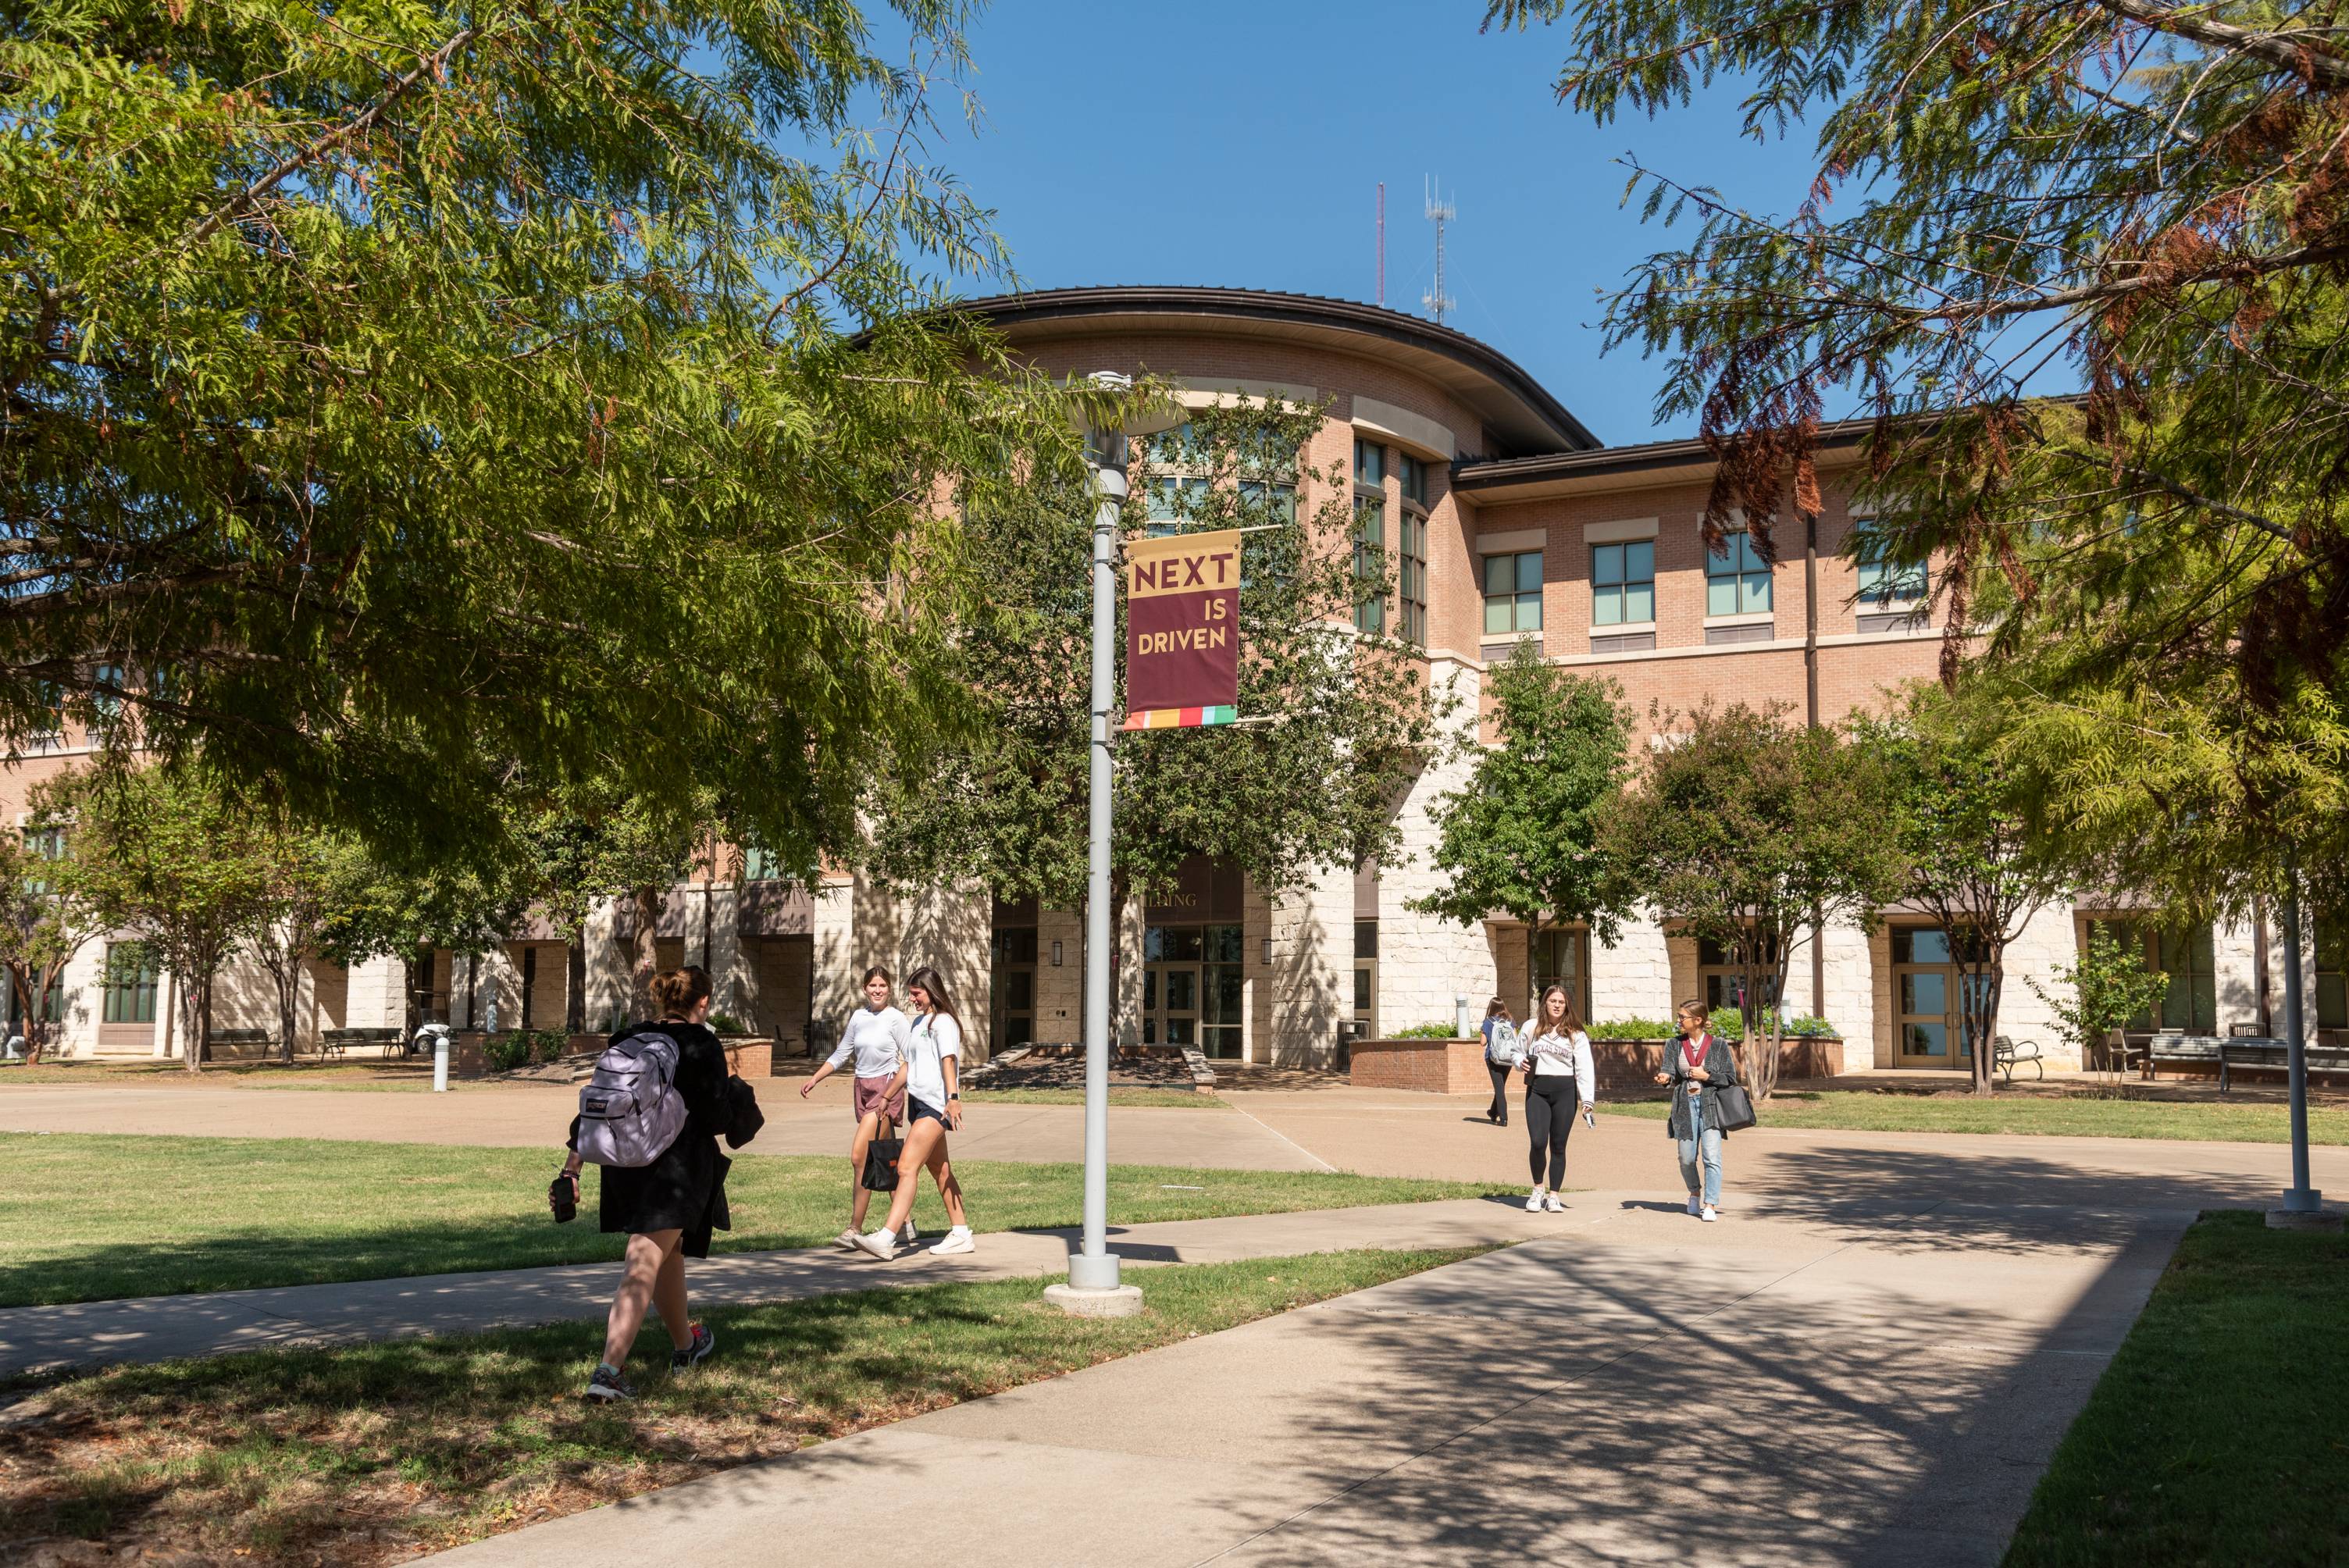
(1302, 310)
(1654, 457)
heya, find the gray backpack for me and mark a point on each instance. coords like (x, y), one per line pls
(629, 1109)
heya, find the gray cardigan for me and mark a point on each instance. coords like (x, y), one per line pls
(1721, 1067)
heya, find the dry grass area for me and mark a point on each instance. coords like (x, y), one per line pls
(376, 1454)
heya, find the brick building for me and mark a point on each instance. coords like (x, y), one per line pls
(1509, 520)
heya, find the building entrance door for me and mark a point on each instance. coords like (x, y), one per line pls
(1927, 1029)
(1170, 1004)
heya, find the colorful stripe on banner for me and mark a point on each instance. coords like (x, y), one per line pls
(1181, 717)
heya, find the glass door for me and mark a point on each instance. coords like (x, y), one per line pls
(1928, 1025)
(1170, 1004)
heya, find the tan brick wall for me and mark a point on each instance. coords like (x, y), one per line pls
(1431, 1066)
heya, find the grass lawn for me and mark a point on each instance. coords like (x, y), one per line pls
(2218, 1434)
(370, 1454)
(88, 1217)
(2069, 1116)
(308, 1073)
(1164, 1098)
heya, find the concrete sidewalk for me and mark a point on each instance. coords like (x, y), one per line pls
(1871, 1384)
(156, 1328)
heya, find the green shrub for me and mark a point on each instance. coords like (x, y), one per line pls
(1726, 1024)
(546, 1045)
(1634, 1029)
(503, 1053)
(1426, 1032)
(727, 1023)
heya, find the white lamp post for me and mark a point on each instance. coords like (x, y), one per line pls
(1094, 1289)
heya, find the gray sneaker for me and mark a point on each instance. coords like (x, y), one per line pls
(605, 1387)
(696, 1352)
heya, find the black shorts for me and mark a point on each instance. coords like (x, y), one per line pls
(921, 1110)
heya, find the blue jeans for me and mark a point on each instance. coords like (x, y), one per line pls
(1706, 1148)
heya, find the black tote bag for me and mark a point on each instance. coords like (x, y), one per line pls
(881, 1158)
(1733, 1106)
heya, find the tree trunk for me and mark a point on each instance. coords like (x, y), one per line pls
(289, 1001)
(647, 900)
(1978, 1015)
(1532, 971)
(195, 1032)
(19, 987)
(575, 986)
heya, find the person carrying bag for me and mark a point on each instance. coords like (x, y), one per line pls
(1708, 1101)
(652, 1116)
(1502, 1052)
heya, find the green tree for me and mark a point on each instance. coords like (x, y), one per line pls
(399, 394)
(1967, 854)
(2140, 198)
(1743, 830)
(2102, 991)
(311, 881)
(1342, 715)
(163, 856)
(45, 921)
(1524, 835)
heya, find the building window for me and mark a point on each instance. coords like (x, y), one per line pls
(48, 844)
(1563, 955)
(1722, 980)
(1513, 593)
(1413, 577)
(129, 983)
(760, 865)
(1737, 581)
(2192, 1001)
(1366, 979)
(2331, 976)
(53, 1007)
(1412, 473)
(106, 692)
(1274, 500)
(1623, 583)
(1884, 583)
(1370, 555)
(1370, 464)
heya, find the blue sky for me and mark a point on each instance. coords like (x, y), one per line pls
(1242, 144)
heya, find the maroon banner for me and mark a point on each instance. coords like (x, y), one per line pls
(1182, 622)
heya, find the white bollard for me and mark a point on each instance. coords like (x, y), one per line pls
(440, 1061)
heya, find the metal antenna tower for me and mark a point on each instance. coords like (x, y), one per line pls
(1438, 213)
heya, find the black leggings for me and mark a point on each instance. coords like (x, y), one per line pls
(1551, 1102)
(1499, 1108)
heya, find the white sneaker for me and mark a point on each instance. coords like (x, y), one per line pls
(1709, 1214)
(846, 1240)
(1554, 1204)
(882, 1244)
(1533, 1201)
(957, 1241)
(1693, 1206)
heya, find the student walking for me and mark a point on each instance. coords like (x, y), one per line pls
(1560, 1080)
(1698, 1067)
(1500, 1056)
(931, 1078)
(875, 1042)
(669, 1208)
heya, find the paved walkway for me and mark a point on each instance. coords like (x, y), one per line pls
(1869, 1382)
(156, 1328)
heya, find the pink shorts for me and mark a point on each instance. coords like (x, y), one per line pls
(870, 1095)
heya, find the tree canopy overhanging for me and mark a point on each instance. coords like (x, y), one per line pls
(397, 396)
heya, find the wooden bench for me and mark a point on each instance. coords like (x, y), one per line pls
(2255, 1053)
(2006, 1056)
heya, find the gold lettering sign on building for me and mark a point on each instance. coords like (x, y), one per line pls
(1183, 630)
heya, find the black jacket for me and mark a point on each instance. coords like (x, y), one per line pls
(1719, 1067)
(684, 1189)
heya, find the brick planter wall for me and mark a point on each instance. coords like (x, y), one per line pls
(749, 1057)
(1431, 1066)
(1625, 1065)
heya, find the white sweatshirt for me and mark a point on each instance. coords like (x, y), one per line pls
(1555, 1055)
(878, 1041)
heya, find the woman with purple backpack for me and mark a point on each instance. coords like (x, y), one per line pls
(669, 1208)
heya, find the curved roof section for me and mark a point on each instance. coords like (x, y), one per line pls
(1519, 414)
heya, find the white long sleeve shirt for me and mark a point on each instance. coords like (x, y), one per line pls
(1555, 1055)
(876, 1040)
